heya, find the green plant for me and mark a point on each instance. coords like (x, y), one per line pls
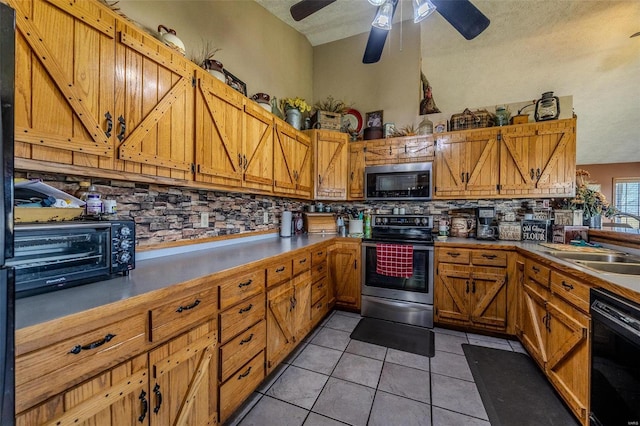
(587, 199)
(331, 105)
(408, 130)
(298, 103)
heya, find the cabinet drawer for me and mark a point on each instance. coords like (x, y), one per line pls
(318, 310)
(537, 272)
(182, 313)
(238, 351)
(318, 290)
(45, 372)
(319, 271)
(240, 317)
(318, 256)
(278, 272)
(452, 255)
(489, 258)
(235, 289)
(301, 262)
(572, 291)
(235, 390)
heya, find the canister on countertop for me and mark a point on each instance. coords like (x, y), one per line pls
(285, 224)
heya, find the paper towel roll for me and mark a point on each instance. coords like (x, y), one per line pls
(285, 224)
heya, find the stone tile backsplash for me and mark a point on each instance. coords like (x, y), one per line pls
(166, 214)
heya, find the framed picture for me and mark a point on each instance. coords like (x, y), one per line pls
(374, 119)
(440, 126)
(235, 83)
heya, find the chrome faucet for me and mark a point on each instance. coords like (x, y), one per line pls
(624, 214)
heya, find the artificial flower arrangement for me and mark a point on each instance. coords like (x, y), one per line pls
(297, 103)
(590, 201)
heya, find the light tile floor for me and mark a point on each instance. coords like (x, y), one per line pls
(332, 380)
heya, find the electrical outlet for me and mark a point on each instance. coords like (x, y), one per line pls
(265, 217)
(204, 220)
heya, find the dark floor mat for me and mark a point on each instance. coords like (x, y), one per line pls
(514, 390)
(402, 337)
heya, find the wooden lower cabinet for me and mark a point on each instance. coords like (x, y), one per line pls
(172, 384)
(235, 390)
(345, 274)
(556, 335)
(468, 293)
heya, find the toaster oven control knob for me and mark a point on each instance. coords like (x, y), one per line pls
(125, 231)
(124, 257)
(125, 244)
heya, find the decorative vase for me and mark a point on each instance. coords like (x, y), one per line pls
(215, 68)
(294, 118)
(275, 110)
(594, 222)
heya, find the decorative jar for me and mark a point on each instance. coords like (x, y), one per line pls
(294, 118)
(502, 116)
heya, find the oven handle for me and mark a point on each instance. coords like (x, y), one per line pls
(615, 320)
(415, 247)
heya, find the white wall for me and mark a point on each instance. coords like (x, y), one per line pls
(258, 48)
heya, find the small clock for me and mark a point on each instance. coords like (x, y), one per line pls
(298, 224)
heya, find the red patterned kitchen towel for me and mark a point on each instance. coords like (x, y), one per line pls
(394, 260)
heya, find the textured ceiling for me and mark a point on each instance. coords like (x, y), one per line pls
(615, 136)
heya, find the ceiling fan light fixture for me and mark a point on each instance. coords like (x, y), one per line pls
(422, 9)
(376, 2)
(384, 16)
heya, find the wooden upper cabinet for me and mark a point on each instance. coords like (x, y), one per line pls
(330, 165)
(219, 117)
(356, 171)
(466, 164)
(292, 159)
(415, 149)
(64, 86)
(539, 159)
(381, 151)
(257, 153)
(154, 106)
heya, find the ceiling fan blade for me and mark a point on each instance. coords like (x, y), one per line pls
(375, 43)
(463, 16)
(304, 8)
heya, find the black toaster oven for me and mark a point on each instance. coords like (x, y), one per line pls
(52, 256)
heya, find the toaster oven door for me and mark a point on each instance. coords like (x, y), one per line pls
(55, 257)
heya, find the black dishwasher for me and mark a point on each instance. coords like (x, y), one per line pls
(615, 360)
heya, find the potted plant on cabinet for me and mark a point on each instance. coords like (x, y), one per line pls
(293, 110)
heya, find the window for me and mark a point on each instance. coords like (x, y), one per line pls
(626, 198)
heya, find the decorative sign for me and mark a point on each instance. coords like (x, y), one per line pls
(538, 231)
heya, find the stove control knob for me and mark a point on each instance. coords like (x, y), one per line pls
(425, 222)
(385, 220)
(416, 221)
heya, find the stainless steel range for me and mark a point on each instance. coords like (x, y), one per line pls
(407, 300)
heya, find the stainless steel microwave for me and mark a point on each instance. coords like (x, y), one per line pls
(53, 256)
(409, 181)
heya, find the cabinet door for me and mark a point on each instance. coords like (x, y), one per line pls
(219, 113)
(534, 320)
(345, 272)
(280, 332)
(539, 159)
(489, 298)
(481, 163)
(119, 396)
(450, 164)
(330, 165)
(183, 379)
(356, 171)
(257, 152)
(64, 85)
(292, 162)
(451, 295)
(302, 304)
(154, 106)
(568, 349)
(416, 149)
(382, 151)
(304, 161)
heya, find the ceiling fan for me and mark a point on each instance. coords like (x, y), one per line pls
(461, 14)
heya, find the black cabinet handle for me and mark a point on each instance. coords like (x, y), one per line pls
(462, 176)
(532, 173)
(303, 261)
(467, 290)
(355, 264)
(247, 340)
(320, 253)
(156, 390)
(239, 160)
(245, 374)
(535, 269)
(467, 176)
(567, 286)
(389, 150)
(79, 348)
(538, 173)
(244, 157)
(351, 175)
(244, 284)
(320, 179)
(247, 309)
(109, 124)
(145, 406)
(123, 128)
(453, 254)
(191, 306)
(319, 305)
(489, 256)
(280, 269)
(473, 287)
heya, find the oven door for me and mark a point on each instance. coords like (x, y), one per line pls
(615, 369)
(418, 288)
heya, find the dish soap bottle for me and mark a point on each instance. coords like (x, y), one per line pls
(367, 225)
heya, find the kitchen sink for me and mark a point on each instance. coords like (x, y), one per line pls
(612, 267)
(597, 257)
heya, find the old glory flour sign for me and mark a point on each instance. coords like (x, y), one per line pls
(536, 230)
